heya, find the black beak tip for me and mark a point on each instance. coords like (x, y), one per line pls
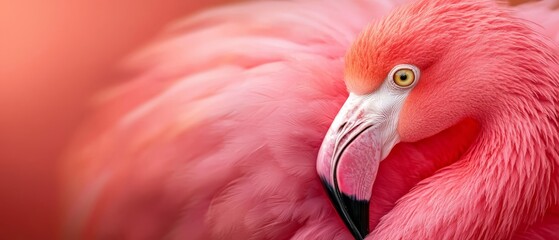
(359, 214)
(355, 213)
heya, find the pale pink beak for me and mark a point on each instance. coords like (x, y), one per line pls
(348, 162)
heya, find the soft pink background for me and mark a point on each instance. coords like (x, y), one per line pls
(53, 56)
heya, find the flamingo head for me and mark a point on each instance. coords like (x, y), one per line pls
(423, 69)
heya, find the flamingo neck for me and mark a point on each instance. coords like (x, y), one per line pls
(516, 155)
(503, 183)
(515, 161)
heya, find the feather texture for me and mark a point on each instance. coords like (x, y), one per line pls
(217, 135)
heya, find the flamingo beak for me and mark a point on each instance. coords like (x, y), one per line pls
(358, 140)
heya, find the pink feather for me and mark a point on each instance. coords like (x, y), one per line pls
(217, 135)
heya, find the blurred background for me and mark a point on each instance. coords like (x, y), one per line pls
(54, 55)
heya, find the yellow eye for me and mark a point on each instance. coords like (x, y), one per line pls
(404, 77)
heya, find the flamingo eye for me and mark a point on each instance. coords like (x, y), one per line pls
(404, 77)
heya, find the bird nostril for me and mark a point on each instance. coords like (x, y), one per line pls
(341, 128)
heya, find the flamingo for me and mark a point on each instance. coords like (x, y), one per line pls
(247, 122)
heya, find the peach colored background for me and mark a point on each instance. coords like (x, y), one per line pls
(53, 56)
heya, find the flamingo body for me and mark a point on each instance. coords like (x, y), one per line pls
(217, 135)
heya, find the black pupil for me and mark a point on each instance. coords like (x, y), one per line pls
(403, 76)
